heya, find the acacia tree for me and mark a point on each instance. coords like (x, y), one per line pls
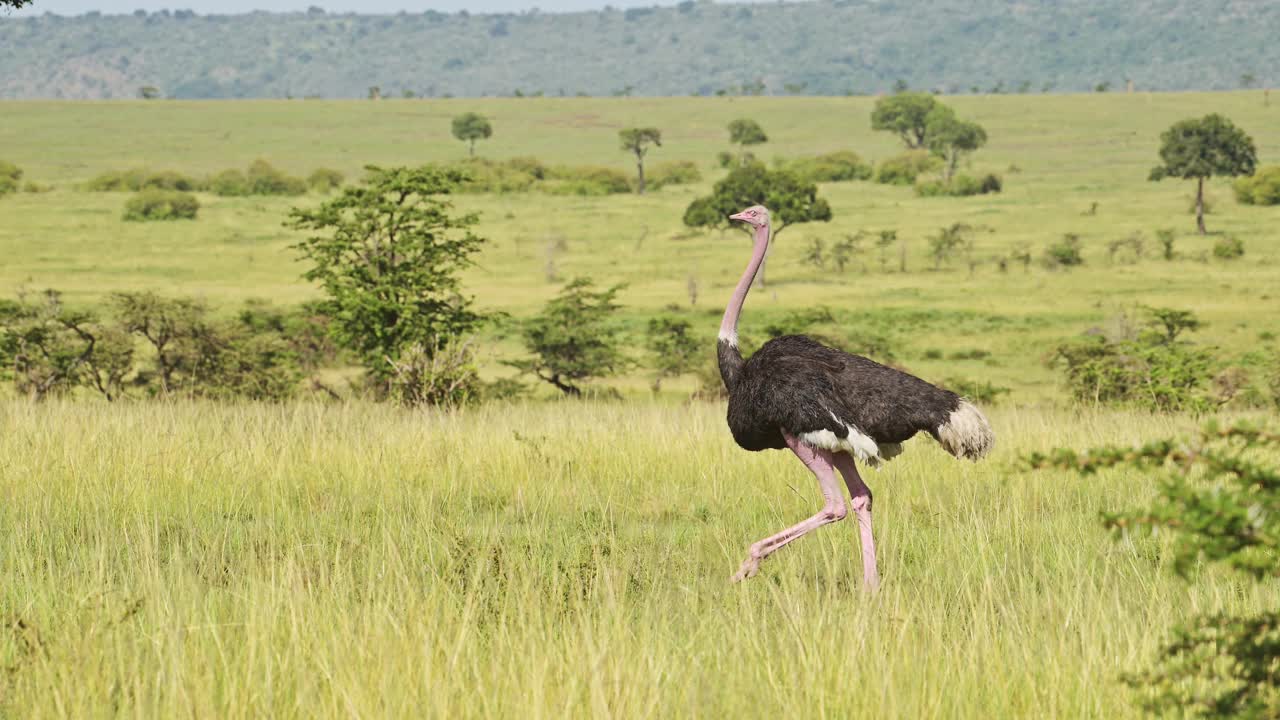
(637, 141)
(1202, 148)
(744, 132)
(387, 254)
(791, 200)
(572, 339)
(906, 114)
(951, 138)
(470, 127)
(675, 350)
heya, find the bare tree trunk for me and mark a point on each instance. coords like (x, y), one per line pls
(639, 174)
(1200, 205)
(472, 151)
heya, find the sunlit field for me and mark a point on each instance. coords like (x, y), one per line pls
(552, 558)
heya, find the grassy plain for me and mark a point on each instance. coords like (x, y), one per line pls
(557, 559)
(1057, 154)
(553, 561)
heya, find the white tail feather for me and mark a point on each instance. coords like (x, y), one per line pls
(967, 434)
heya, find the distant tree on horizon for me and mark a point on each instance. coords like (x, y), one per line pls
(14, 3)
(470, 127)
(637, 141)
(904, 113)
(744, 132)
(951, 138)
(1202, 148)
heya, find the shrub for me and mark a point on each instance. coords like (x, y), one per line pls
(489, 176)
(229, 183)
(1228, 248)
(979, 391)
(161, 205)
(679, 172)
(31, 186)
(1261, 188)
(841, 166)
(1154, 371)
(141, 179)
(325, 180)
(528, 165)
(1064, 253)
(959, 186)
(265, 179)
(588, 180)
(725, 159)
(443, 375)
(905, 168)
(10, 175)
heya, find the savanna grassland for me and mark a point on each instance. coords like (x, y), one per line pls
(561, 559)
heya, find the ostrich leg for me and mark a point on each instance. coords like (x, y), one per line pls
(860, 499)
(821, 463)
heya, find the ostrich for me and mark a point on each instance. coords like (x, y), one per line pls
(830, 408)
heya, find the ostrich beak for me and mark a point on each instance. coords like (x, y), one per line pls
(739, 216)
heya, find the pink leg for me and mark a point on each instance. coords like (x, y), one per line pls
(860, 498)
(820, 462)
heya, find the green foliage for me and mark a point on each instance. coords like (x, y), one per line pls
(48, 349)
(637, 141)
(944, 244)
(1219, 501)
(139, 179)
(440, 376)
(470, 127)
(1261, 188)
(950, 138)
(959, 186)
(677, 172)
(1211, 146)
(745, 131)
(325, 180)
(905, 113)
(840, 166)
(1228, 248)
(1166, 238)
(161, 205)
(674, 350)
(790, 199)
(319, 55)
(903, 169)
(1065, 253)
(230, 183)
(387, 253)
(1154, 370)
(574, 339)
(10, 175)
(265, 179)
(586, 181)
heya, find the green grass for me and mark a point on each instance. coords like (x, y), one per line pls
(1069, 151)
(554, 560)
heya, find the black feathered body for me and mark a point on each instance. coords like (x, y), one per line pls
(795, 384)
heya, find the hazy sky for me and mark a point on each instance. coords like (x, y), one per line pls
(77, 7)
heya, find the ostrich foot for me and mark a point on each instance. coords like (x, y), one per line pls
(749, 568)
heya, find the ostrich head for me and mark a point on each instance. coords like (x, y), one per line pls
(756, 216)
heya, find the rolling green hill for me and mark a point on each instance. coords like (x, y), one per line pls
(827, 47)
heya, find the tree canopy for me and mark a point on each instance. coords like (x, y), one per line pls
(1201, 148)
(906, 114)
(790, 199)
(951, 138)
(637, 141)
(573, 339)
(745, 131)
(470, 127)
(387, 253)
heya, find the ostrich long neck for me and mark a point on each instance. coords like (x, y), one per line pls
(729, 356)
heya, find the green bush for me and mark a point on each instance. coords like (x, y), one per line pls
(679, 172)
(325, 180)
(31, 186)
(1261, 188)
(1228, 248)
(960, 186)
(840, 166)
(528, 165)
(979, 391)
(490, 176)
(10, 175)
(139, 179)
(1065, 252)
(229, 183)
(588, 181)
(161, 205)
(265, 179)
(905, 168)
